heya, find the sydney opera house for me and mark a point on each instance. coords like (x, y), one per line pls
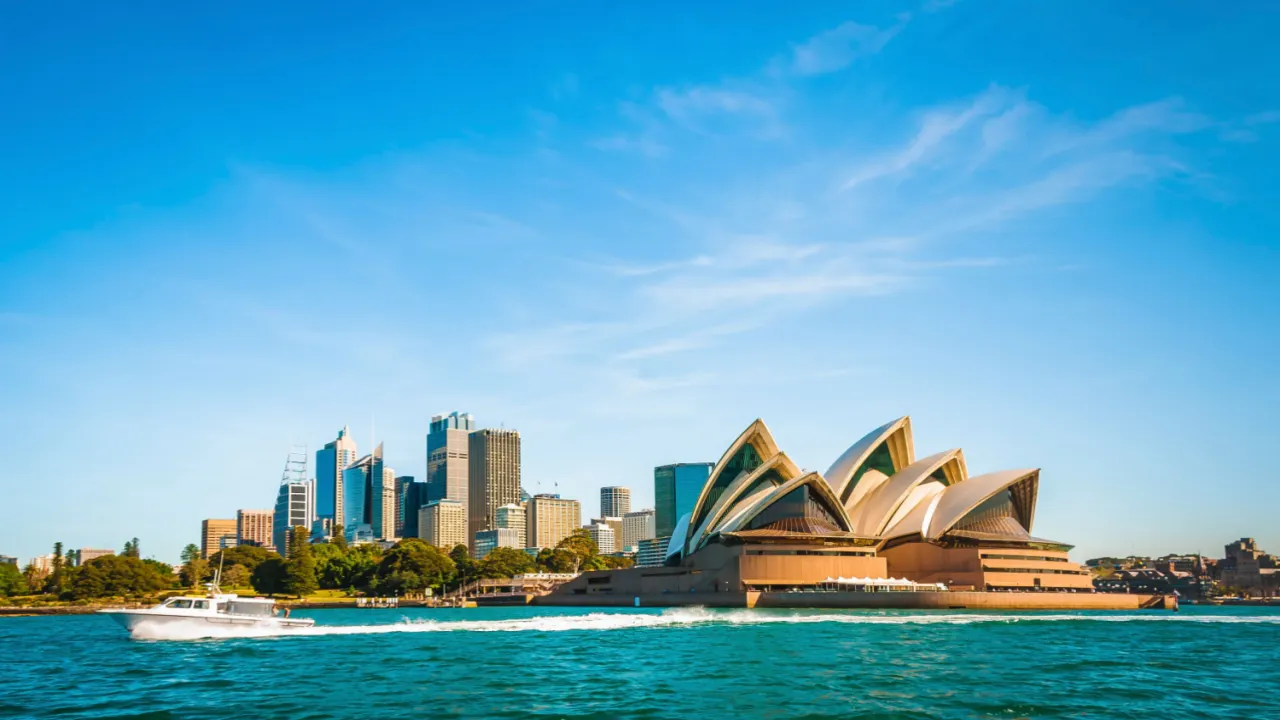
(764, 532)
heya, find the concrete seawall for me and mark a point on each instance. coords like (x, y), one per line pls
(881, 600)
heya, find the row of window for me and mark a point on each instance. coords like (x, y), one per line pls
(842, 553)
(995, 556)
(1038, 571)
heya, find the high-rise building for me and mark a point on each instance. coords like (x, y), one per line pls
(8, 560)
(357, 509)
(331, 460)
(551, 519)
(513, 517)
(413, 495)
(254, 527)
(447, 447)
(652, 552)
(443, 523)
(382, 498)
(637, 526)
(602, 535)
(211, 534)
(403, 486)
(675, 492)
(493, 476)
(616, 524)
(295, 506)
(615, 501)
(486, 541)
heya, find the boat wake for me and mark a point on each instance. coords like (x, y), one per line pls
(671, 618)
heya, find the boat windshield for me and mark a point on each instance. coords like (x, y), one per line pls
(179, 603)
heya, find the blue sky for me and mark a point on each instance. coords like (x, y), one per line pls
(1045, 231)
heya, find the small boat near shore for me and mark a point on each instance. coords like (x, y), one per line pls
(216, 609)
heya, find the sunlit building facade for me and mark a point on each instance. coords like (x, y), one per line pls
(759, 524)
(331, 461)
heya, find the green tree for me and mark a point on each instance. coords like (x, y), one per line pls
(235, 576)
(300, 568)
(162, 570)
(504, 562)
(56, 582)
(464, 565)
(616, 563)
(194, 572)
(558, 560)
(248, 556)
(412, 565)
(190, 552)
(269, 577)
(11, 581)
(115, 576)
(131, 549)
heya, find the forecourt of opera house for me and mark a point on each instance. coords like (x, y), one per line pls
(881, 528)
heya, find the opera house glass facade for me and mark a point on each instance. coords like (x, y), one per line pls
(761, 524)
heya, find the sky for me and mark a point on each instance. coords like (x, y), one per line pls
(1045, 231)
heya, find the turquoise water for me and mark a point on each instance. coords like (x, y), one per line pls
(684, 663)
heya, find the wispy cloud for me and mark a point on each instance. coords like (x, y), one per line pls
(837, 48)
(935, 129)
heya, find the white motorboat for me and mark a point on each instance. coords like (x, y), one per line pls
(217, 609)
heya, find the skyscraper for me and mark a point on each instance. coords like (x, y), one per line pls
(212, 532)
(493, 476)
(330, 462)
(253, 527)
(615, 501)
(406, 506)
(381, 498)
(357, 510)
(447, 457)
(414, 497)
(443, 523)
(636, 526)
(675, 490)
(552, 519)
(295, 505)
(513, 517)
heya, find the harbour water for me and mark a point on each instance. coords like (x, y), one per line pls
(1203, 662)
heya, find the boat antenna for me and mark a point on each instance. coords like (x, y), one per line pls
(217, 576)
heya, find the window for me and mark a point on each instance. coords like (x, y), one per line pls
(200, 605)
(180, 603)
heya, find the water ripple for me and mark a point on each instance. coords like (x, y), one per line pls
(540, 663)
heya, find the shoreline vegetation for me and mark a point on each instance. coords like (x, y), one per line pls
(324, 574)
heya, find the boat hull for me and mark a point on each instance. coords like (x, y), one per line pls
(136, 621)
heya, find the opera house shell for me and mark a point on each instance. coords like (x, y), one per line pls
(761, 524)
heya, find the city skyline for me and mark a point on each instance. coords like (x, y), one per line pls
(628, 238)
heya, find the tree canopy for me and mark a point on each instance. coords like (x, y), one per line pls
(300, 567)
(505, 562)
(249, 556)
(116, 575)
(269, 577)
(412, 565)
(12, 581)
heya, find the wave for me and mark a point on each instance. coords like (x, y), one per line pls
(671, 618)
